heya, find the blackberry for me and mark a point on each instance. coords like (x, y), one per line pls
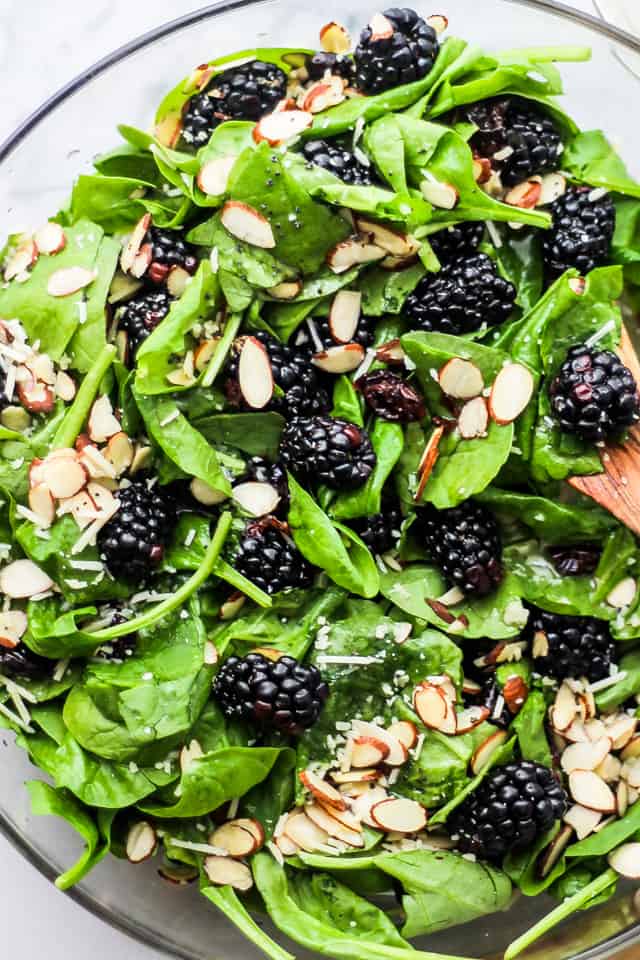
(141, 315)
(364, 334)
(458, 240)
(337, 64)
(338, 161)
(576, 560)
(513, 806)
(247, 92)
(168, 250)
(292, 372)
(593, 394)
(283, 694)
(132, 543)
(464, 542)
(264, 471)
(330, 451)
(391, 397)
(463, 296)
(380, 531)
(407, 55)
(525, 133)
(488, 698)
(567, 646)
(581, 232)
(20, 661)
(267, 556)
(4, 399)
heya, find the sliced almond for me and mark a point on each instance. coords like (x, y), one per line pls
(473, 419)
(189, 754)
(322, 95)
(352, 253)
(632, 749)
(119, 452)
(134, 243)
(255, 376)
(97, 464)
(428, 461)
(442, 195)
(141, 842)
(525, 195)
(583, 820)
(585, 756)
(286, 846)
(20, 261)
(399, 245)
(578, 285)
(344, 315)
(332, 827)
(481, 169)
(626, 860)
(552, 186)
(511, 392)
(350, 777)
(623, 594)
(590, 790)
(433, 709)
(253, 826)
(381, 28)
(550, 857)
(334, 38)
(399, 815)
(322, 790)
(610, 769)
(205, 494)
(361, 806)
(69, 280)
(576, 732)
(287, 290)
(483, 753)
(405, 731)
(42, 503)
(595, 729)
(256, 498)
(346, 817)
(213, 176)
(444, 683)
(64, 477)
(13, 626)
(391, 352)
(226, 872)
(461, 379)
(234, 839)
(50, 238)
(343, 358)
(630, 773)
(65, 387)
(36, 397)
(622, 798)
(279, 127)
(439, 22)
(368, 752)
(169, 129)
(247, 224)
(471, 718)
(177, 281)
(397, 753)
(621, 730)
(565, 709)
(102, 423)
(203, 353)
(306, 834)
(232, 607)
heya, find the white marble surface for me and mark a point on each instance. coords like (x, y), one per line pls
(43, 44)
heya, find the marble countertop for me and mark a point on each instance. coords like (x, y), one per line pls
(36, 58)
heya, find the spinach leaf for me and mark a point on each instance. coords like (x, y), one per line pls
(610, 837)
(111, 201)
(90, 338)
(268, 800)
(529, 725)
(346, 401)
(519, 257)
(387, 440)
(385, 291)
(501, 756)
(551, 520)
(227, 901)
(522, 866)
(591, 158)
(67, 431)
(54, 632)
(256, 266)
(257, 434)
(626, 687)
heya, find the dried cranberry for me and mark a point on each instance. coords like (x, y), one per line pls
(391, 397)
(574, 560)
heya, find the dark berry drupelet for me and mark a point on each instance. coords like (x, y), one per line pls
(465, 543)
(267, 556)
(168, 250)
(459, 240)
(581, 232)
(512, 807)
(338, 161)
(390, 397)
(380, 531)
(338, 64)
(132, 543)
(292, 371)
(247, 92)
(527, 135)
(141, 315)
(282, 694)
(20, 661)
(594, 395)
(364, 334)
(464, 295)
(5, 401)
(570, 646)
(326, 450)
(264, 471)
(575, 560)
(407, 55)
(488, 697)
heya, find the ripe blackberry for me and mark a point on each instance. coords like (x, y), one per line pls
(264, 471)
(458, 240)
(132, 543)
(141, 315)
(575, 560)
(391, 397)
(269, 558)
(330, 451)
(527, 135)
(168, 250)
(292, 372)
(337, 64)
(594, 395)
(570, 646)
(513, 806)
(20, 661)
(247, 92)
(5, 401)
(463, 296)
(488, 697)
(283, 694)
(364, 335)
(380, 531)
(338, 161)
(581, 232)
(407, 55)
(464, 542)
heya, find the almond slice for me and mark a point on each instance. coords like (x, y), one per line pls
(405, 731)
(287, 290)
(397, 753)
(119, 452)
(102, 424)
(621, 729)
(345, 817)
(576, 732)
(22, 579)
(428, 461)
(247, 224)
(473, 419)
(470, 687)
(13, 626)
(552, 186)
(590, 790)
(322, 95)
(36, 397)
(610, 769)
(286, 846)
(439, 22)
(322, 790)
(64, 477)
(525, 195)
(583, 820)
(23, 257)
(511, 392)
(381, 28)
(442, 195)
(65, 387)
(368, 752)
(255, 376)
(205, 494)
(549, 857)
(399, 815)
(224, 871)
(353, 252)
(461, 379)
(622, 798)
(177, 281)
(281, 126)
(399, 245)
(141, 842)
(434, 710)
(334, 38)
(564, 710)
(595, 729)
(352, 777)
(213, 176)
(189, 754)
(343, 358)
(306, 834)
(253, 826)
(632, 749)
(630, 773)
(623, 594)
(256, 498)
(471, 718)
(42, 503)
(585, 756)
(69, 280)
(483, 753)
(135, 241)
(391, 352)
(443, 681)
(50, 238)
(344, 315)
(332, 827)
(626, 860)
(237, 841)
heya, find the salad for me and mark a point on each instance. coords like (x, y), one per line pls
(297, 597)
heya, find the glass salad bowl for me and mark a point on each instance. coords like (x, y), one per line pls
(59, 141)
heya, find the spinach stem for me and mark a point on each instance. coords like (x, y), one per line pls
(560, 54)
(226, 572)
(561, 912)
(224, 345)
(78, 412)
(180, 596)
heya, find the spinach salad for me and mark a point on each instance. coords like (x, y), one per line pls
(297, 597)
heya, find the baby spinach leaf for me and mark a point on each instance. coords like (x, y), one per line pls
(53, 632)
(387, 440)
(385, 291)
(90, 338)
(383, 141)
(503, 755)
(591, 158)
(257, 434)
(550, 520)
(323, 543)
(529, 725)
(519, 257)
(346, 401)
(227, 901)
(610, 837)
(256, 266)
(111, 201)
(71, 425)
(627, 686)
(625, 246)
(268, 800)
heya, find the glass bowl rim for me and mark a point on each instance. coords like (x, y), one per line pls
(130, 926)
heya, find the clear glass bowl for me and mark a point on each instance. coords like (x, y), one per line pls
(58, 142)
